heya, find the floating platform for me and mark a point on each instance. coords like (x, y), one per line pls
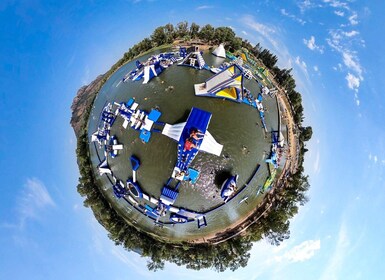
(175, 218)
(229, 188)
(227, 84)
(193, 59)
(134, 189)
(192, 136)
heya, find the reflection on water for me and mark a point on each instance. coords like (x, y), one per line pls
(236, 126)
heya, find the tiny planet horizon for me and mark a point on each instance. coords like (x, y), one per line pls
(186, 151)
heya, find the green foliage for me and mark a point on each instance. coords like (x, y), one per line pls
(207, 33)
(182, 29)
(306, 133)
(194, 30)
(159, 36)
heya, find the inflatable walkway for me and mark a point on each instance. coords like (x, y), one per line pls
(192, 136)
(226, 84)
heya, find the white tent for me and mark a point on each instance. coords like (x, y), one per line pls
(220, 51)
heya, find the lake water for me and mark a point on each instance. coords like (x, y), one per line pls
(236, 126)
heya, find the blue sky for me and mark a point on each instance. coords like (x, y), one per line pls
(48, 50)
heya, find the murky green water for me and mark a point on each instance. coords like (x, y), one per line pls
(236, 126)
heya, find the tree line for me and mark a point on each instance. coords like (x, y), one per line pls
(232, 253)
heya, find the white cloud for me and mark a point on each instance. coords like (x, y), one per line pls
(338, 256)
(337, 4)
(204, 7)
(244, 32)
(233, 28)
(263, 29)
(306, 5)
(353, 19)
(31, 203)
(340, 41)
(339, 13)
(270, 39)
(315, 67)
(132, 260)
(351, 61)
(312, 45)
(303, 251)
(317, 166)
(351, 33)
(293, 17)
(353, 81)
(303, 67)
(300, 63)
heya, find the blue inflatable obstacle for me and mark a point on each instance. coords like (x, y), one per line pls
(192, 58)
(119, 189)
(150, 212)
(107, 116)
(112, 147)
(152, 69)
(139, 119)
(134, 189)
(277, 139)
(175, 218)
(135, 163)
(229, 187)
(273, 159)
(191, 175)
(201, 221)
(135, 74)
(227, 84)
(248, 99)
(192, 136)
(169, 194)
(150, 120)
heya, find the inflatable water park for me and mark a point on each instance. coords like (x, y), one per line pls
(191, 136)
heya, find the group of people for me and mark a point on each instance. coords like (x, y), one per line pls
(192, 140)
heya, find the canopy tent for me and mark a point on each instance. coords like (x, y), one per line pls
(220, 51)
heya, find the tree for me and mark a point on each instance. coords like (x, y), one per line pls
(194, 30)
(306, 133)
(159, 36)
(268, 58)
(170, 32)
(256, 50)
(236, 43)
(182, 29)
(223, 34)
(155, 265)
